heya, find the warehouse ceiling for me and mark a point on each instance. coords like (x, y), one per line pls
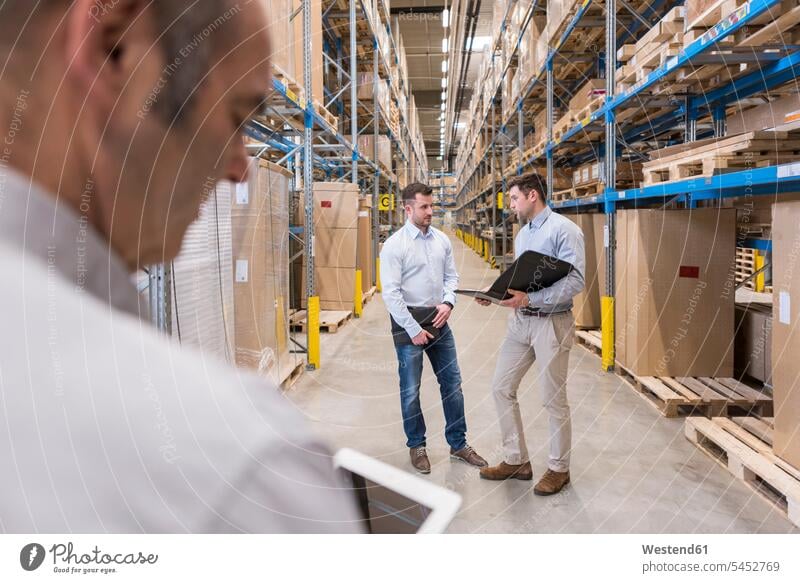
(420, 23)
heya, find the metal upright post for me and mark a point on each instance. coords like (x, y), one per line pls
(376, 183)
(549, 127)
(312, 330)
(354, 90)
(720, 123)
(690, 120)
(160, 297)
(493, 179)
(607, 302)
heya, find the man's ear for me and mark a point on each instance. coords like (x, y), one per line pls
(106, 41)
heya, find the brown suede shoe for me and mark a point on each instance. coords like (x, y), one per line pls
(419, 459)
(468, 455)
(504, 471)
(551, 483)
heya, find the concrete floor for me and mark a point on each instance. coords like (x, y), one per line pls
(632, 469)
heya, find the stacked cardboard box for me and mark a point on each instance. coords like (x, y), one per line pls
(591, 92)
(260, 226)
(366, 146)
(586, 305)
(281, 34)
(317, 68)
(335, 243)
(202, 278)
(786, 330)
(675, 291)
(753, 342)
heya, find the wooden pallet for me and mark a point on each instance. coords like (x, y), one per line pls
(705, 158)
(745, 450)
(329, 321)
(368, 295)
(590, 340)
(292, 375)
(329, 118)
(711, 397)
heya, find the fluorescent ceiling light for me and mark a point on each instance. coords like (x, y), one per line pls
(444, 66)
(444, 95)
(445, 18)
(444, 45)
(442, 106)
(444, 82)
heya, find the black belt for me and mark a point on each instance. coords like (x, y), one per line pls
(539, 314)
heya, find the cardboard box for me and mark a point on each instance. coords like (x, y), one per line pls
(753, 342)
(586, 305)
(786, 330)
(336, 288)
(675, 280)
(335, 205)
(260, 226)
(589, 91)
(335, 247)
(281, 35)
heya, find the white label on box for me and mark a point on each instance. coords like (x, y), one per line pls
(784, 308)
(242, 268)
(786, 170)
(605, 236)
(242, 193)
(363, 213)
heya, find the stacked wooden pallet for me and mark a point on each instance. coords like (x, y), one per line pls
(777, 27)
(587, 180)
(329, 321)
(744, 447)
(662, 41)
(706, 158)
(745, 265)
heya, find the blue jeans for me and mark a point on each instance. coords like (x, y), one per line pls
(443, 358)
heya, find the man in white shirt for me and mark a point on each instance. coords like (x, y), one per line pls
(419, 279)
(541, 328)
(114, 117)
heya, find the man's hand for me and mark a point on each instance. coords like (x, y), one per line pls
(422, 338)
(441, 318)
(481, 301)
(519, 300)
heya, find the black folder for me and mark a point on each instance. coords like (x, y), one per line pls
(531, 272)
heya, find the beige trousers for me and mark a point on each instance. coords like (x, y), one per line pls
(529, 339)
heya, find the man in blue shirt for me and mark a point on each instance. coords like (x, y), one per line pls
(541, 328)
(419, 279)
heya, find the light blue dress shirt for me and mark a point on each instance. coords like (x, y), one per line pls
(417, 270)
(552, 234)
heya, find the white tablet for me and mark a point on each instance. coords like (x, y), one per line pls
(393, 501)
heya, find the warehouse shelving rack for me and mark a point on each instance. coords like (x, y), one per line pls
(768, 70)
(295, 131)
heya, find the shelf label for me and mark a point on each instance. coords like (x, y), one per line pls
(622, 194)
(789, 170)
(784, 308)
(606, 238)
(242, 268)
(242, 193)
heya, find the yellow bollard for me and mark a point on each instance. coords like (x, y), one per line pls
(378, 275)
(607, 332)
(358, 299)
(313, 332)
(759, 282)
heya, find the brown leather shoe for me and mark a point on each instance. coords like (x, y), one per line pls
(504, 471)
(468, 455)
(551, 483)
(419, 459)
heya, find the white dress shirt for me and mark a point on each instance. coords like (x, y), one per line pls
(108, 426)
(417, 269)
(551, 234)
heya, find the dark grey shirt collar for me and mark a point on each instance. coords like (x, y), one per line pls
(45, 229)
